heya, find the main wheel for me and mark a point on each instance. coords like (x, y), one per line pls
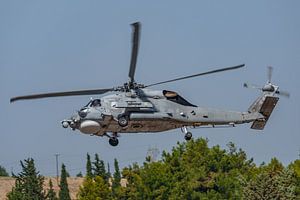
(113, 141)
(188, 136)
(123, 121)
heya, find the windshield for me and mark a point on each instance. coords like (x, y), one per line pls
(173, 96)
(96, 103)
(93, 103)
(88, 104)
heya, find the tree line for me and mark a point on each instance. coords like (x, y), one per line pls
(192, 170)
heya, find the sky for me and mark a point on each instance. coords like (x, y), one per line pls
(48, 46)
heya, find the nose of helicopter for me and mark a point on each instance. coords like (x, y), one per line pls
(87, 126)
(73, 122)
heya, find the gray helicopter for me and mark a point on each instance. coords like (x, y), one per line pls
(133, 107)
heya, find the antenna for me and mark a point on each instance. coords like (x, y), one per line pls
(57, 172)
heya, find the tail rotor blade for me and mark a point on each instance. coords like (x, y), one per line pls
(283, 93)
(252, 86)
(270, 71)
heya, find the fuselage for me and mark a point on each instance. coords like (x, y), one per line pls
(148, 111)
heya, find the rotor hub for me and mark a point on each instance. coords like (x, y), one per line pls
(268, 88)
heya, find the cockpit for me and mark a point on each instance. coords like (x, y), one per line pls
(173, 96)
(94, 103)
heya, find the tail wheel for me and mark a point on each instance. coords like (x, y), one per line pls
(123, 120)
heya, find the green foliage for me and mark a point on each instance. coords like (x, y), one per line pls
(64, 190)
(94, 189)
(3, 171)
(272, 182)
(89, 172)
(295, 167)
(99, 168)
(116, 179)
(95, 185)
(51, 195)
(191, 171)
(135, 188)
(79, 174)
(108, 174)
(28, 184)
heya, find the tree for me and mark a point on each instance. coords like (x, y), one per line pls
(108, 171)
(272, 182)
(135, 188)
(116, 182)
(28, 184)
(117, 175)
(51, 195)
(79, 174)
(64, 190)
(191, 170)
(92, 189)
(99, 168)
(3, 171)
(295, 166)
(89, 172)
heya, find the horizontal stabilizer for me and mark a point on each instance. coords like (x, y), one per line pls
(266, 110)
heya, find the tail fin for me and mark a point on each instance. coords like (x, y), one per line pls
(263, 105)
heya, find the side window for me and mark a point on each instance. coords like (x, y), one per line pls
(96, 103)
(173, 96)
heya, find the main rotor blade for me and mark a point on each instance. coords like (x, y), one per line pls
(62, 94)
(135, 48)
(200, 74)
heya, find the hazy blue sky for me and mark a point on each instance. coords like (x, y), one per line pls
(59, 45)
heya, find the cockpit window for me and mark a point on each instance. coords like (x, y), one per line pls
(96, 103)
(93, 103)
(173, 96)
(88, 104)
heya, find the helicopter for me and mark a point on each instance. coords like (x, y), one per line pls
(134, 107)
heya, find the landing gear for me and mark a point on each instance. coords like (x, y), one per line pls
(123, 120)
(188, 135)
(113, 141)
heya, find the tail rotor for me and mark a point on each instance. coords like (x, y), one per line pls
(269, 87)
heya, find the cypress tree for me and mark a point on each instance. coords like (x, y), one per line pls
(79, 174)
(3, 171)
(108, 171)
(28, 184)
(89, 172)
(64, 190)
(51, 193)
(116, 178)
(99, 168)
